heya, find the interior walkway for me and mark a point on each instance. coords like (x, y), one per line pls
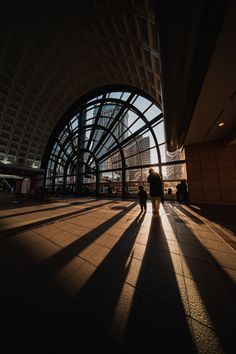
(100, 274)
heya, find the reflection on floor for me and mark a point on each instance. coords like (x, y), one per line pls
(101, 274)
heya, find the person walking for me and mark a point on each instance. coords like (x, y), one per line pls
(156, 190)
(142, 195)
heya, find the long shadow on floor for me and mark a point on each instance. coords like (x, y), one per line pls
(18, 229)
(215, 222)
(45, 209)
(120, 295)
(209, 288)
(59, 320)
(159, 320)
(186, 214)
(105, 296)
(222, 215)
(61, 258)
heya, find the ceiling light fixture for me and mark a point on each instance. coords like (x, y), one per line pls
(221, 124)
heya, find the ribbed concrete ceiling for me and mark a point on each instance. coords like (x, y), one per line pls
(54, 52)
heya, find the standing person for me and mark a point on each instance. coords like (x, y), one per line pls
(142, 194)
(178, 192)
(182, 191)
(110, 191)
(169, 192)
(156, 188)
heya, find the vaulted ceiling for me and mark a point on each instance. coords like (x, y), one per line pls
(54, 52)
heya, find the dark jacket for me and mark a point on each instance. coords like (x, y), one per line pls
(155, 185)
(142, 196)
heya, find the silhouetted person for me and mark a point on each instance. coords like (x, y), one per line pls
(169, 193)
(110, 191)
(182, 191)
(142, 195)
(156, 190)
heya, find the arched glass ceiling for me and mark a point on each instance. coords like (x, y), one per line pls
(116, 135)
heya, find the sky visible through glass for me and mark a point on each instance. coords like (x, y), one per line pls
(113, 125)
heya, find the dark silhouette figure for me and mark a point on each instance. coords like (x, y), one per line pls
(156, 190)
(169, 193)
(110, 191)
(182, 191)
(142, 194)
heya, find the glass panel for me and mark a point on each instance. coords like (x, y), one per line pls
(177, 171)
(110, 109)
(68, 148)
(63, 136)
(142, 103)
(160, 132)
(139, 124)
(125, 96)
(105, 164)
(134, 175)
(162, 149)
(94, 99)
(87, 115)
(127, 121)
(51, 164)
(152, 112)
(120, 128)
(102, 152)
(139, 146)
(110, 180)
(116, 161)
(154, 156)
(114, 176)
(71, 168)
(73, 124)
(134, 99)
(135, 178)
(149, 138)
(115, 95)
(133, 161)
(96, 138)
(132, 117)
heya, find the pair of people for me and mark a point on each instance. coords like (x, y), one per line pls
(156, 192)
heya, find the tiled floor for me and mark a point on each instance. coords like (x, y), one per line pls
(99, 274)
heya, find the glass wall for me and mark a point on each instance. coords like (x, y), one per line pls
(110, 139)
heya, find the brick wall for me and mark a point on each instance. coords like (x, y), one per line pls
(211, 172)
